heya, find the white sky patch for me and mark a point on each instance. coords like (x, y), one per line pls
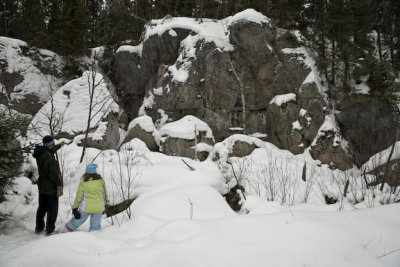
(185, 128)
(280, 99)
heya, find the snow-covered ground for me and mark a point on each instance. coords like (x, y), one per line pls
(180, 218)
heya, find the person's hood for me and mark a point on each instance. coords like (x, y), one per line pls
(39, 150)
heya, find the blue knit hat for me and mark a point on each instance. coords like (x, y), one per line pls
(91, 168)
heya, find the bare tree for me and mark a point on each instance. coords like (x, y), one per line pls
(241, 94)
(97, 103)
(126, 175)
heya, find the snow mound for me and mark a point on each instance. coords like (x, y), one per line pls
(249, 15)
(145, 122)
(186, 128)
(70, 108)
(224, 148)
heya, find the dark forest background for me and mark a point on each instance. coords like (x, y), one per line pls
(354, 40)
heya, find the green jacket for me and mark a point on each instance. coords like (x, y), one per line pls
(49, 172)
(91, 196)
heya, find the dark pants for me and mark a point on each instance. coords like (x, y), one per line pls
(47, 204)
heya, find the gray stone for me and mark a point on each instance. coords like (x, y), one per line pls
(146, 137)
(110, 139)
(330, 153)
(368, 124)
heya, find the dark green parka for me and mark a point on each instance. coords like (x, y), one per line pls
(49, 173)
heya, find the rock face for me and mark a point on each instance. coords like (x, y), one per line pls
(237, 145)
(106, 135)
(186, 136)
(28, 75)
(260, 59)
(369, 125)
(143, 129)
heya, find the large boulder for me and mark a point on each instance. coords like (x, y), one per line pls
(186, 136)
(368, 124)
(237, 145)
(142, 128)
(106, 135)
(29, 76)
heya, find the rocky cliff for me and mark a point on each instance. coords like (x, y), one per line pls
(184, 67)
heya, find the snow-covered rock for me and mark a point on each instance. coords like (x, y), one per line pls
(69, 109)
(29, 76)
(179, 138)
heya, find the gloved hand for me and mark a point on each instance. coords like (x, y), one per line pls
(59, 191)
(105, 209)
(62, 143)
(76, 213)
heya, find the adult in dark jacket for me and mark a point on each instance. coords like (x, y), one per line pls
(49, 184)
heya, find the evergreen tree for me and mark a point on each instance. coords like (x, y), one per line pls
(11, 152)
(70, 30)
(8, 17)
(93, 10)
(32, 23)
(117, 24)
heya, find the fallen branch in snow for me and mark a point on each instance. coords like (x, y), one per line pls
(190, 167)
(384, 255)
(117, 208)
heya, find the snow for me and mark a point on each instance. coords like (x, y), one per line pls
(148, 102)
(249, 15)
(362, 88)
(34, 81)
(209, 30)
(179, 216)
(201, 147)
(131, 49)
(145, 122)
(281, 99)
(296, 126)
(71, 108)
(258, 135)
(186, 128)
(224, 148)
(382, 157)
(330, 124)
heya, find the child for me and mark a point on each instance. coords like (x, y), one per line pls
(91, 199)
